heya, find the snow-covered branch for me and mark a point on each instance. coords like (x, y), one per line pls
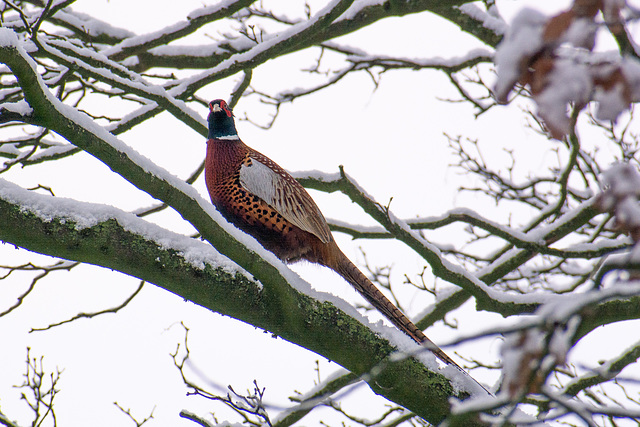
(114, 239)
(603, 373)
(196, 19)
(555, 58)
(466, 216)
(475, 284)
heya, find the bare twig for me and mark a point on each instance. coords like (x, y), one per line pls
(94, 314)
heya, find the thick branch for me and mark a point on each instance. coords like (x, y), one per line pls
(360, 15)
(441, 267)
(196, 19)
(604, 373)
(277, 307)
(470, 284)
(516, 238)
(513, 259)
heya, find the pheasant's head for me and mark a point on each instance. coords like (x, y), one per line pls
(221, 123)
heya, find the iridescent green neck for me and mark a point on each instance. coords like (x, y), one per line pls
(222, 126)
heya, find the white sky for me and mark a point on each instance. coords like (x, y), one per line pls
(391, 141)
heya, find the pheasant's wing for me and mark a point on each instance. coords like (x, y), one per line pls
(262, 177)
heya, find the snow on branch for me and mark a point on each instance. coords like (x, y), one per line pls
(621, 200)
(285, 41)
(530, 242)
(106, 236)
(518, 238)
(195, 20)
(554, 58)
(604, 372)
(475, 284)
(358, 60)
(473, 57)
(86, 215)
(99, 67)
(113, 65)
(490, 19)
(537, 346)
(99, 31)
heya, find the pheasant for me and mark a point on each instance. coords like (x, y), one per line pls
(255, 194)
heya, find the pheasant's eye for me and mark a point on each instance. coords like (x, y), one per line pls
(226, 108)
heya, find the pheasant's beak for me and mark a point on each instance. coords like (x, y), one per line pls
(216, 108)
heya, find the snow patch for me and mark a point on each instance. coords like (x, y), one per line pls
(568, 82)
(20, 107)
(85, 215)
(90, 25)
(8, 37)
(522, 40)
(317, 175)
(489, 19)
(56, 150)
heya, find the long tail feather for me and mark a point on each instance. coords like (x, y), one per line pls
(372, 294)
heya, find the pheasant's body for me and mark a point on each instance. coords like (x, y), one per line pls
(262, 199)
(233, 161)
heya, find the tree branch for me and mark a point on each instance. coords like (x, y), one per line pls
(276, 306)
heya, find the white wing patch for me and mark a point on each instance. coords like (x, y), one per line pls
(286, 196)
(258, 179)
